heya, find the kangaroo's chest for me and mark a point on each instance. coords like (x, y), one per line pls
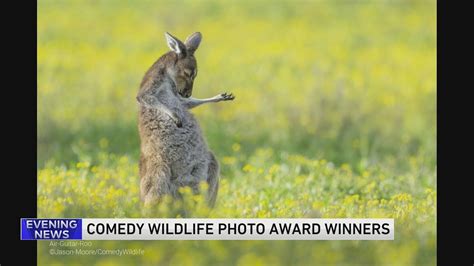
(178, 144)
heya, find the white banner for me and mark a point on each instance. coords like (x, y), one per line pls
(237, 229)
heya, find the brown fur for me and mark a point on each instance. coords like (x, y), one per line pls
(173, 151)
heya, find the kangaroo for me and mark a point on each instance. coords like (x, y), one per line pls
(173, 152)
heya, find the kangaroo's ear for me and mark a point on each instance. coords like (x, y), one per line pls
(175, 45)
(192, 42)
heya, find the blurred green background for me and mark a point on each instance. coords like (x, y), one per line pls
(335, 116)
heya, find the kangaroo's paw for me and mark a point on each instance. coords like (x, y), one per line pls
(177, 120)
(227, 96)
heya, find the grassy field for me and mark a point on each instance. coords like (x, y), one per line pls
(335, 116)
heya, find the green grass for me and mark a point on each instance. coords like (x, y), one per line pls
(335, 116)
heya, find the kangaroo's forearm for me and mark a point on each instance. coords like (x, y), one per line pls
(150, 100)
(193, 102)
(146, 98)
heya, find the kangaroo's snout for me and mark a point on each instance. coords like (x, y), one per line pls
(188, 90)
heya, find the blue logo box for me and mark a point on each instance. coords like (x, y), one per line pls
(50, 229)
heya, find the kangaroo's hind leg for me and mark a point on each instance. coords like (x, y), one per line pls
(212, 180)
(155, 181)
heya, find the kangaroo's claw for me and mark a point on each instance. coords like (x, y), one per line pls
(177, 120)
(227, 97)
